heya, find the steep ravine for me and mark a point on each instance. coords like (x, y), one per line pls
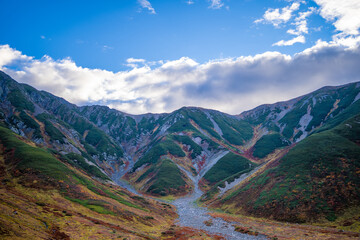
(190, 214)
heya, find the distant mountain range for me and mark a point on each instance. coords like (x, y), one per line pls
(301, 158)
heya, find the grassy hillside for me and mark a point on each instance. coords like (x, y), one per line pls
(45, 198)
(26, 156)
(227, 166)
(318, 179)
(168, 180)
(235, 131)
(268, 143)
(159, 149)
(186, 140)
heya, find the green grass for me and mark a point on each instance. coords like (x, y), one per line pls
(145, 174)
(317, 156)
(259, 118)
(167, 180)
(347, 113)
(268, 143)
(147, 124)
(28, 157)
(52, 131)
(201, 119)
(292, 118)
(320, 111)
(99, 141)
(212, 145)
(159, 149)
(19, 101)
(184, 139)
(318, 176)
(227, 166)
(215, 188)
(102, 191)
(98, 138)
(94, 205)
(78, 160)
(243, 129)
(31, 123)
(182, 125)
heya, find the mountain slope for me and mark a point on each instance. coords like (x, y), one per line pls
(317, 178)
(262, 162)
(42, 194)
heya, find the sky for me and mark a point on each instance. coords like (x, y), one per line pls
(156, 56)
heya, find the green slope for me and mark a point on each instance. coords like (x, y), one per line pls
(318, 178)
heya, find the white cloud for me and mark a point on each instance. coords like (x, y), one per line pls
(345, 14)
(231, 85)
(298, 39)
(300, 22)
(278, 16)
(135, 60)
(8, 55)
(216, 4)
(146, 4)
(190, 2)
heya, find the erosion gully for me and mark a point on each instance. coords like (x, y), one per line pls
(192, 215)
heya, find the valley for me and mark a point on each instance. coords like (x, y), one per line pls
(279, 171)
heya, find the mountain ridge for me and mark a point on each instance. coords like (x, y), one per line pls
(218, 148)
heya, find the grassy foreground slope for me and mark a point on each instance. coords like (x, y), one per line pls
(42, 196)
(319, 179)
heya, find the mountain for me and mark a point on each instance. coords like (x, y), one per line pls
(317, 176)
(292, 161)
(54, 176)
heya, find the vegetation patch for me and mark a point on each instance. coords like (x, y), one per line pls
(94, 205)
(184, 139)
(168, 179)
(19, 101)
(78, 160)
(292, 118)
(227, 166)
(28, 157)
(161, 148)
(234, 131)
(52, 131)
(318, 178)
(268, 143)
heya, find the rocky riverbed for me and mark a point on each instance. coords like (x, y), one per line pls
(192, 215)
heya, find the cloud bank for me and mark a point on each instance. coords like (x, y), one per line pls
(231, 85)
(345, 17)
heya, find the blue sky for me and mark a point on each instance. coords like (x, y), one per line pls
(103, 34)
(153, 55)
